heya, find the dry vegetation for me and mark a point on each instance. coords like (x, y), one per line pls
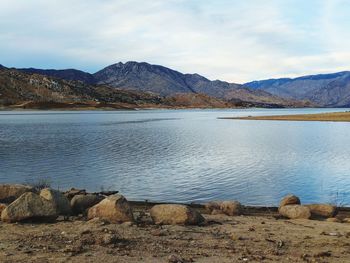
(334, 116)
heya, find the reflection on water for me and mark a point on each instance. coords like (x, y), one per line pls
(180, 155)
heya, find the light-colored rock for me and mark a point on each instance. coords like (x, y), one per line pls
(61, 202)
(29, 206)
(114, 209)
(10, 192)
(2, 207)
(346, 220)
(172, 214)
(295, 211)
(333, 219)
(80, 203)
(231, 208)
(289, 200)
(322, 210)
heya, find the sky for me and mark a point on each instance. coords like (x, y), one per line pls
(232, 40)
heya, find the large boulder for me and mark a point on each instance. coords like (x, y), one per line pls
(10, 192)
(322, 210)
(61, 202)
(289, 200)
(114, 209)
(80, 203)
(172, 214)
(295, 211)
(29, 206)
(231, 208)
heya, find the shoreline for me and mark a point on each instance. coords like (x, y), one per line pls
(158, 232)
(321, 117)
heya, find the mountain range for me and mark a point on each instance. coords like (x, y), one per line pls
(163, 85)
(173, 87)
(326, 90)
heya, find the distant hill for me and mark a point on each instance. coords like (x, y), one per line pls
(67, 74)
(330, 90)
(162, 81)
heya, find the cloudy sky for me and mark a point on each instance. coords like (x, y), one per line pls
(232, 40)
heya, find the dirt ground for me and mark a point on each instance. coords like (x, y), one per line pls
(253, 237)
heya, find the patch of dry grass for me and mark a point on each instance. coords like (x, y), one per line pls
(334, 116)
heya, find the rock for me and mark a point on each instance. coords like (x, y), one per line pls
(29, 206)
(2, 207)
(333, 219)
(175, 259)
(10, 192)
(295, 211)
(60, 201)
(231, 208)
(107, 239)
(289, 200)
(212, 206)
(114, 209)
(171, 214)
(346, 220)
(80, 203)
(322, 210)
(73, 192)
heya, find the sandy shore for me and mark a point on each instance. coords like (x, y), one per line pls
(334, 116)
(260, 235)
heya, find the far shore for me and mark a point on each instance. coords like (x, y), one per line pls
(330, 117)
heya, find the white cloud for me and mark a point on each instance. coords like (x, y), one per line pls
(231, 40)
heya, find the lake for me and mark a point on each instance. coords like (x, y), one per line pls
(179, 155)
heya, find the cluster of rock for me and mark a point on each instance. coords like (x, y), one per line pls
(22, 203)
(290, 207)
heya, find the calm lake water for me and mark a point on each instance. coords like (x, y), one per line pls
(180, 155)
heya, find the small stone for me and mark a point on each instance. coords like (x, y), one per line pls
(175, 259)
(333, 219)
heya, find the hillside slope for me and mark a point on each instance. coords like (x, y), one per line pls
(330, 90)
(162, 81)
(26, 90)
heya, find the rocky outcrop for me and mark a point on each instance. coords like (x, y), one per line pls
(80, 203)
(322, 210)
(10, 192)
(60, 202)
(295, 211)
(172, 214)
(29, 206)
(114, 209)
